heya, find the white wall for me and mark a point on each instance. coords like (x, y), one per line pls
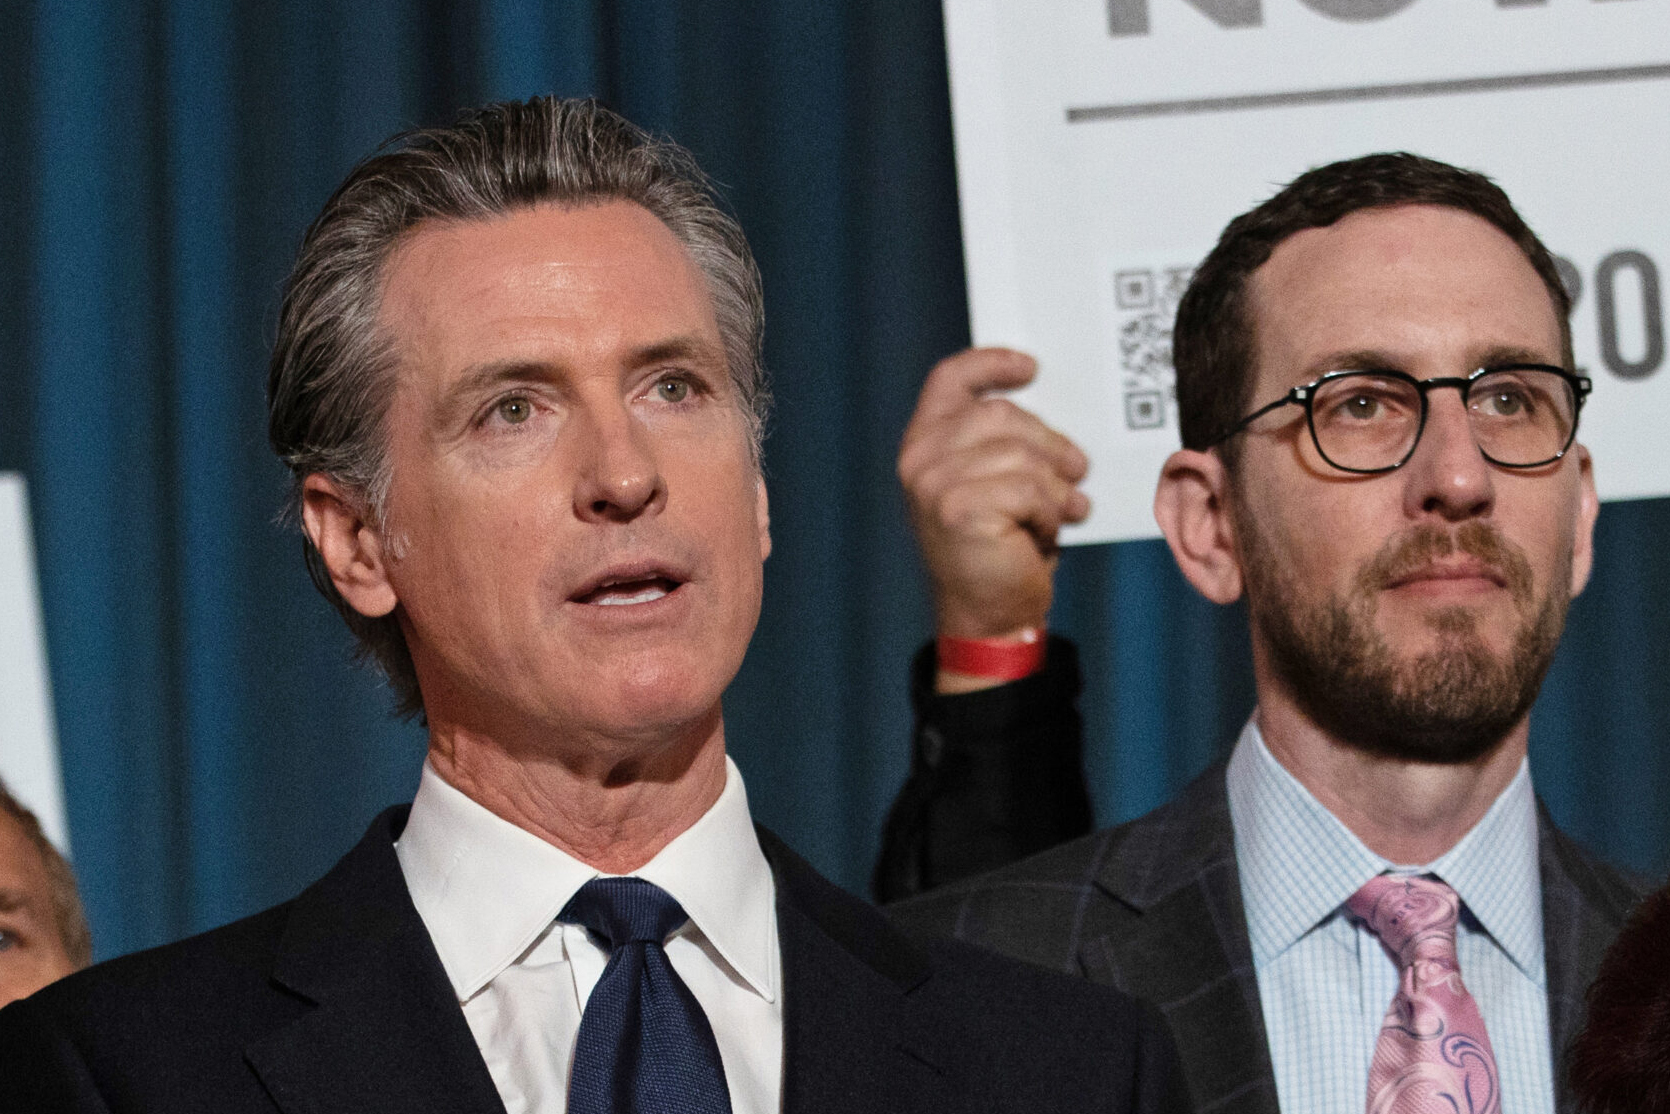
(1103, 144)
(28, 742)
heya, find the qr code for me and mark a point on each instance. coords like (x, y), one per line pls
(1145, 303)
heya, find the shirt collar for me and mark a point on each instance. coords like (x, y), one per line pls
(487, 889)
(1299, 863)
(1495, 870)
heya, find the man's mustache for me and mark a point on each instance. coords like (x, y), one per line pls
(1415, 549)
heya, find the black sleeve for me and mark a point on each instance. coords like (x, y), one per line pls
(995, 776)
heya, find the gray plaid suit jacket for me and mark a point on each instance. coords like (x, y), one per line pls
(1154, 908)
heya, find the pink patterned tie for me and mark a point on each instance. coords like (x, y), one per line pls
(1433, 1054)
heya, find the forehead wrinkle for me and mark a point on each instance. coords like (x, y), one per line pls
(545, 292)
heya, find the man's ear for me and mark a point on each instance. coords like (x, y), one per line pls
(350, 545)
(1588, 509)
(1192, 507)
(762, 511)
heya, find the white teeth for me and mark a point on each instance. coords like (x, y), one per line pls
(644, 595)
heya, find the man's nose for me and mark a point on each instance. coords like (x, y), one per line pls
(619, 478)
(1448, 476)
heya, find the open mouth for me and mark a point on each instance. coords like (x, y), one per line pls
(623, 593)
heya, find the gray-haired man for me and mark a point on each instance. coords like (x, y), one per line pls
(517, 382)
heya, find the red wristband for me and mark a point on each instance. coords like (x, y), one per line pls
(1003, 659)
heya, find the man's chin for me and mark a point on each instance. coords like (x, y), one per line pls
(1421, 735)
(646, 707)
(1439, 693)
(625, 707)
(1445, 640)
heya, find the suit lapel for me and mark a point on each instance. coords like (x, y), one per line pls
(1583, 907)
(1176, 934)
(852, 1040)
(386, 1033)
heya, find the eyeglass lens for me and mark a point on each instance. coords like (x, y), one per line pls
(1367, 421)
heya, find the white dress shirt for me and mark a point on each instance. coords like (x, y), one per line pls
(489, 893)
(1324, 980)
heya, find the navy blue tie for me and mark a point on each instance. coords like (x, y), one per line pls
(645, 1046)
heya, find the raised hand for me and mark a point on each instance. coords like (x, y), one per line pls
(989, 486)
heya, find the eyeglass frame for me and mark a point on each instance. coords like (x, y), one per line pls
(1305, 394)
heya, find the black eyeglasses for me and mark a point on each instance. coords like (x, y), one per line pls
(1522, 415)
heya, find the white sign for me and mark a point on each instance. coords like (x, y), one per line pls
(1102, 145)
(28, 748)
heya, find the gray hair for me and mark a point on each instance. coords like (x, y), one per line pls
(330, 382)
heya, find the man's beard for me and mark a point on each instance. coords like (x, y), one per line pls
(1450, 705)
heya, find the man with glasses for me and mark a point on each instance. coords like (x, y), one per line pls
(1369, 419)
(1364, 907)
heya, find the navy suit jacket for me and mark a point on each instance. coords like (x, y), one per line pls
(337, 1001)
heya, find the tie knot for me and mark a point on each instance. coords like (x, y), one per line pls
(1410, 915)
(625, 911)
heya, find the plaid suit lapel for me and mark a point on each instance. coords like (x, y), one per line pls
(1176, 935)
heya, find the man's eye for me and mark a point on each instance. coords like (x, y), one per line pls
(514, 410)
(1361, 407)
(8, 940)
(1362, 401)
(1505, 404)
(673, 390)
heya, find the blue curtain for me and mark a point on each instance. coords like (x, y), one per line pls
(161, 159)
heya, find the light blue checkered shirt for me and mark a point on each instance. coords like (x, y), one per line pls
(1324, 980)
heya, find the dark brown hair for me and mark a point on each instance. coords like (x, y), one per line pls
(1213, 341)
(1620, 1062)
(67, 917)
(330, 380)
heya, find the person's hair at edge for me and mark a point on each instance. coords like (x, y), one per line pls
(330, 381)
(67, 916)
(1620, 1062)
(1213, 340)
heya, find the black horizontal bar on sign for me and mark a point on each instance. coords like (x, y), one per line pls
(1449, 87)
